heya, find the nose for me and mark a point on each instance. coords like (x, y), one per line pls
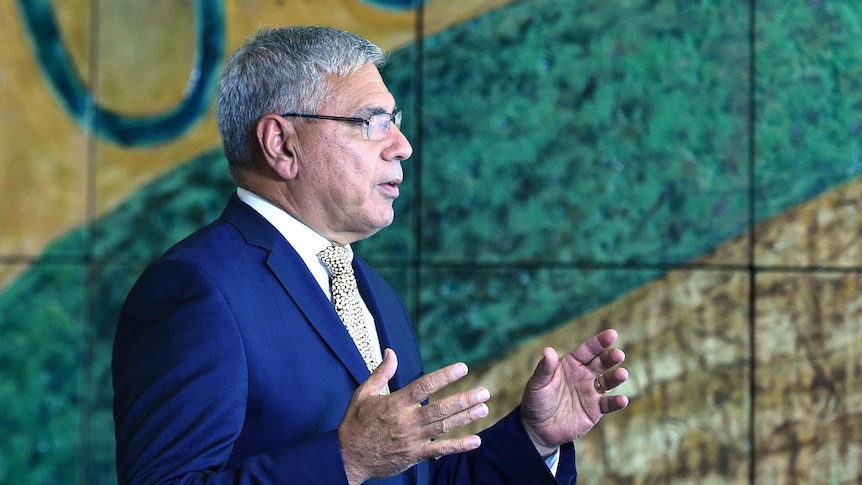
(399, 146)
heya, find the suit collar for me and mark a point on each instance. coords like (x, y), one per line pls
(294, 276)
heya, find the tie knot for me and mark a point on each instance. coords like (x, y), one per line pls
(336, 260)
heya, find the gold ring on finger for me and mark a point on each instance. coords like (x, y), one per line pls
(598, 383)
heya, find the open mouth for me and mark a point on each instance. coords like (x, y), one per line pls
(391, 188)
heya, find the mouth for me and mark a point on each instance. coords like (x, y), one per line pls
(394, 182)
(391, 187)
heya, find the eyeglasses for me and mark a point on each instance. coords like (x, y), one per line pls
(376, 126)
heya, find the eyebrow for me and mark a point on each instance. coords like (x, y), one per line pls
(374, 110)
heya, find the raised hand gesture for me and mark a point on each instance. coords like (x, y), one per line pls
(565, 397)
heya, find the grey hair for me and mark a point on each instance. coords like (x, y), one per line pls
(282, 70)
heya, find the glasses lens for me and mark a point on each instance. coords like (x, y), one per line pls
(378, 126)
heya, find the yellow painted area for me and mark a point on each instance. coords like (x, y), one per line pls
(686, 339)
(44, 155)
(143, 54)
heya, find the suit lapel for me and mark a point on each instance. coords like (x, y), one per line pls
(386, 328)
(289, 269)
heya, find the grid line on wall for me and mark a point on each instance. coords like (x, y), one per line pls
(752, 273)
(91, 274)
(419, 99)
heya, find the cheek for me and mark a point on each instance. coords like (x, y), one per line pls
(350, 174)
(361, 176)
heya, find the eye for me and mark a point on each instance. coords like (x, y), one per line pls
(379, 119)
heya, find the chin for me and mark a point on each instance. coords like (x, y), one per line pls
(385, 218)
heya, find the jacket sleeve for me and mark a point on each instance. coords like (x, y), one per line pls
(506, 457)
(180, 380)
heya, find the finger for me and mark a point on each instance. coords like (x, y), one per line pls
(614, 378)
(472, 401)
(609, 380)
(546, 366)
(607, 337)
(594, 346)
(376, 383)
(420, 389)
(610, 404)
(451, 446)
(611, 358)
(455, 421)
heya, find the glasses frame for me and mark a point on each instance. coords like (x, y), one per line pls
(394, 119)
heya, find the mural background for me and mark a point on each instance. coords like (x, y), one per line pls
(684, 171)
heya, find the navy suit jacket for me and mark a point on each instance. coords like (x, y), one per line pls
(230, 365)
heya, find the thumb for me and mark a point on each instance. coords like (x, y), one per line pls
(546, 367)
(376, 383)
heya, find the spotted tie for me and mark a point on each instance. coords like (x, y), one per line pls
(345, 297)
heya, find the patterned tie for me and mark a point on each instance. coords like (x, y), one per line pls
(345, 297)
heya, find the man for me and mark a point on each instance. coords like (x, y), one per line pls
(231, 364)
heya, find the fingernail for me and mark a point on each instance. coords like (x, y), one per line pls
(483, 395)
(482, 411)
(461, 369)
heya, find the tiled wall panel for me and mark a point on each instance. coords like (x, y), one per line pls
(684, 171)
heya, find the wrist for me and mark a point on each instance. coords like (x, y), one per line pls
(352, 466)
(552, 453)
(544, 449)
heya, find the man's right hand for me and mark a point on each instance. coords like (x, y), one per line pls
(382, 436)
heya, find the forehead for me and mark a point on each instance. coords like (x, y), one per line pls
(361, 90)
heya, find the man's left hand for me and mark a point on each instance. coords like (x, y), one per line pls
(565, 397)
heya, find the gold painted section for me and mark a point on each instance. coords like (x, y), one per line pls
(687, 343)
(55, 177)
(827, 233)
(143, 58)
(43, 159)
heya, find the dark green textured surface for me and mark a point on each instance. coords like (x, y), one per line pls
(604, 131)
(809, 100)
(611, 137)
(41, 355)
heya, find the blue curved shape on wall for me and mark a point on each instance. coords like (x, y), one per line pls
(59, 68)
(396, 4)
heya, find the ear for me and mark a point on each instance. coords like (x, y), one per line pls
(277, 138)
